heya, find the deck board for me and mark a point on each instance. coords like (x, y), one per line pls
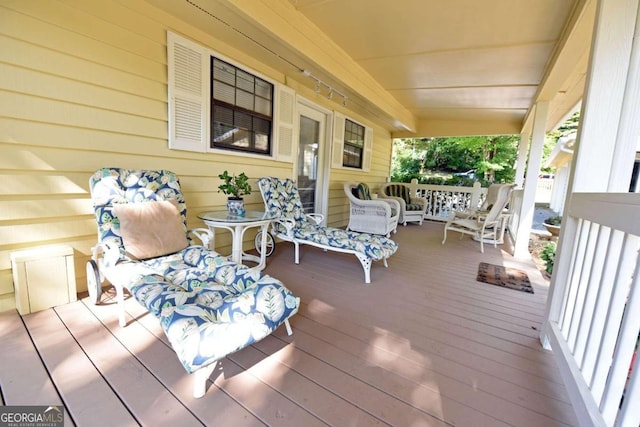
(86, 394)
(157, 356)
(405, 368)
(23, 378)
(459, 364)
(423, 344)
(129, 378)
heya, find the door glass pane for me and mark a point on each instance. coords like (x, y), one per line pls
(308, 162)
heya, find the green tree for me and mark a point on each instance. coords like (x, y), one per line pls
(567, 128)
(492, 157)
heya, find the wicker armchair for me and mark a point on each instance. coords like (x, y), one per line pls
(367, 215)
(412, 208)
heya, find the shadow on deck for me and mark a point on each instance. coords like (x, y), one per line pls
(423, 344)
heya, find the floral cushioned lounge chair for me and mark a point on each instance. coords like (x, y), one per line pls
(208, 306)
(292, 224)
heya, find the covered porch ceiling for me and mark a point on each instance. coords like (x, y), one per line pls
(422, 67)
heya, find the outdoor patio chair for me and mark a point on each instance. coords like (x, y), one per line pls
(367, 215)
(483, 225)
(412, 208)
(490, 199)
(292, 224)
(208, 306)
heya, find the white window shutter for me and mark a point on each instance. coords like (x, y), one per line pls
(188, 83)
(368, 146)
(284, 123)
(337, 148)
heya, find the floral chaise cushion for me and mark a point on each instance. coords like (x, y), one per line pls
(208, 306)
(283, 200)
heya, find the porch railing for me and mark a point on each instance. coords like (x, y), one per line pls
(593, 319)
(443, 200)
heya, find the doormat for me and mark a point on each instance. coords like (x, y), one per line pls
(502, 276)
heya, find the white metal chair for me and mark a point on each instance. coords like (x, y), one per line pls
(367, 215)
(482, 224)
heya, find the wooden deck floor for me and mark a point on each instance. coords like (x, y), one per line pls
(423, 345)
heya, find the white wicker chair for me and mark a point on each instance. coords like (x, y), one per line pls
(374, 216)
(412, 208)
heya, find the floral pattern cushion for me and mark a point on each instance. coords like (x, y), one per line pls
(373, 246)
(110, 186)
(208, 306)
(282, 199)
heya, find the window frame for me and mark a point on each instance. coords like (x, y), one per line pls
(189, 103)
(338, 146)
(237, 111)
(359, 146)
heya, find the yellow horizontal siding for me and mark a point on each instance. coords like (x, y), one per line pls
(72, 67)
(19, 212)
(26, 107)
(83, 85)
(39, 84)
(53, 26)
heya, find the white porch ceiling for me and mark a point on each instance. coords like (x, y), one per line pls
(453, 67)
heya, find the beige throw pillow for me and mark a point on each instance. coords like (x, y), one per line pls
(151, 229)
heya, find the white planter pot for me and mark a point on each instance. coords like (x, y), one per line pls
(235, 206)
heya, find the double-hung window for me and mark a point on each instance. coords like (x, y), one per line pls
(241, 109)
(353, 144)
(218, 106)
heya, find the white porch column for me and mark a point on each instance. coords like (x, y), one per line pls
(629, 128)
(608, 131)
(610, 103)
(521, 249)
(523, 147)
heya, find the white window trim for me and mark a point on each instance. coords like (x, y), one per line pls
(189, 104)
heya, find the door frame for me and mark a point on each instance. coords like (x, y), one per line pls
(324, 152)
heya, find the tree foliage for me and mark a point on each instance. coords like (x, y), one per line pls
(567, 128)
(492, 157)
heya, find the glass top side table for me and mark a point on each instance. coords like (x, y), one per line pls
(238, 225)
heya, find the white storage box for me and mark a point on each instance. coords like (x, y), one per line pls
(43, 277)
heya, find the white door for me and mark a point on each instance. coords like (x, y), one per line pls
(311, 165)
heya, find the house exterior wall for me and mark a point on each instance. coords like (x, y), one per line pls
(83, 85)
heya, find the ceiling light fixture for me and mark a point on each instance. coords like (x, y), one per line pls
(330, 89)
(307, 73)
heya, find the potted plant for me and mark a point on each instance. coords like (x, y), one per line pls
(548, 255)
(552, 224)
(235, 186)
